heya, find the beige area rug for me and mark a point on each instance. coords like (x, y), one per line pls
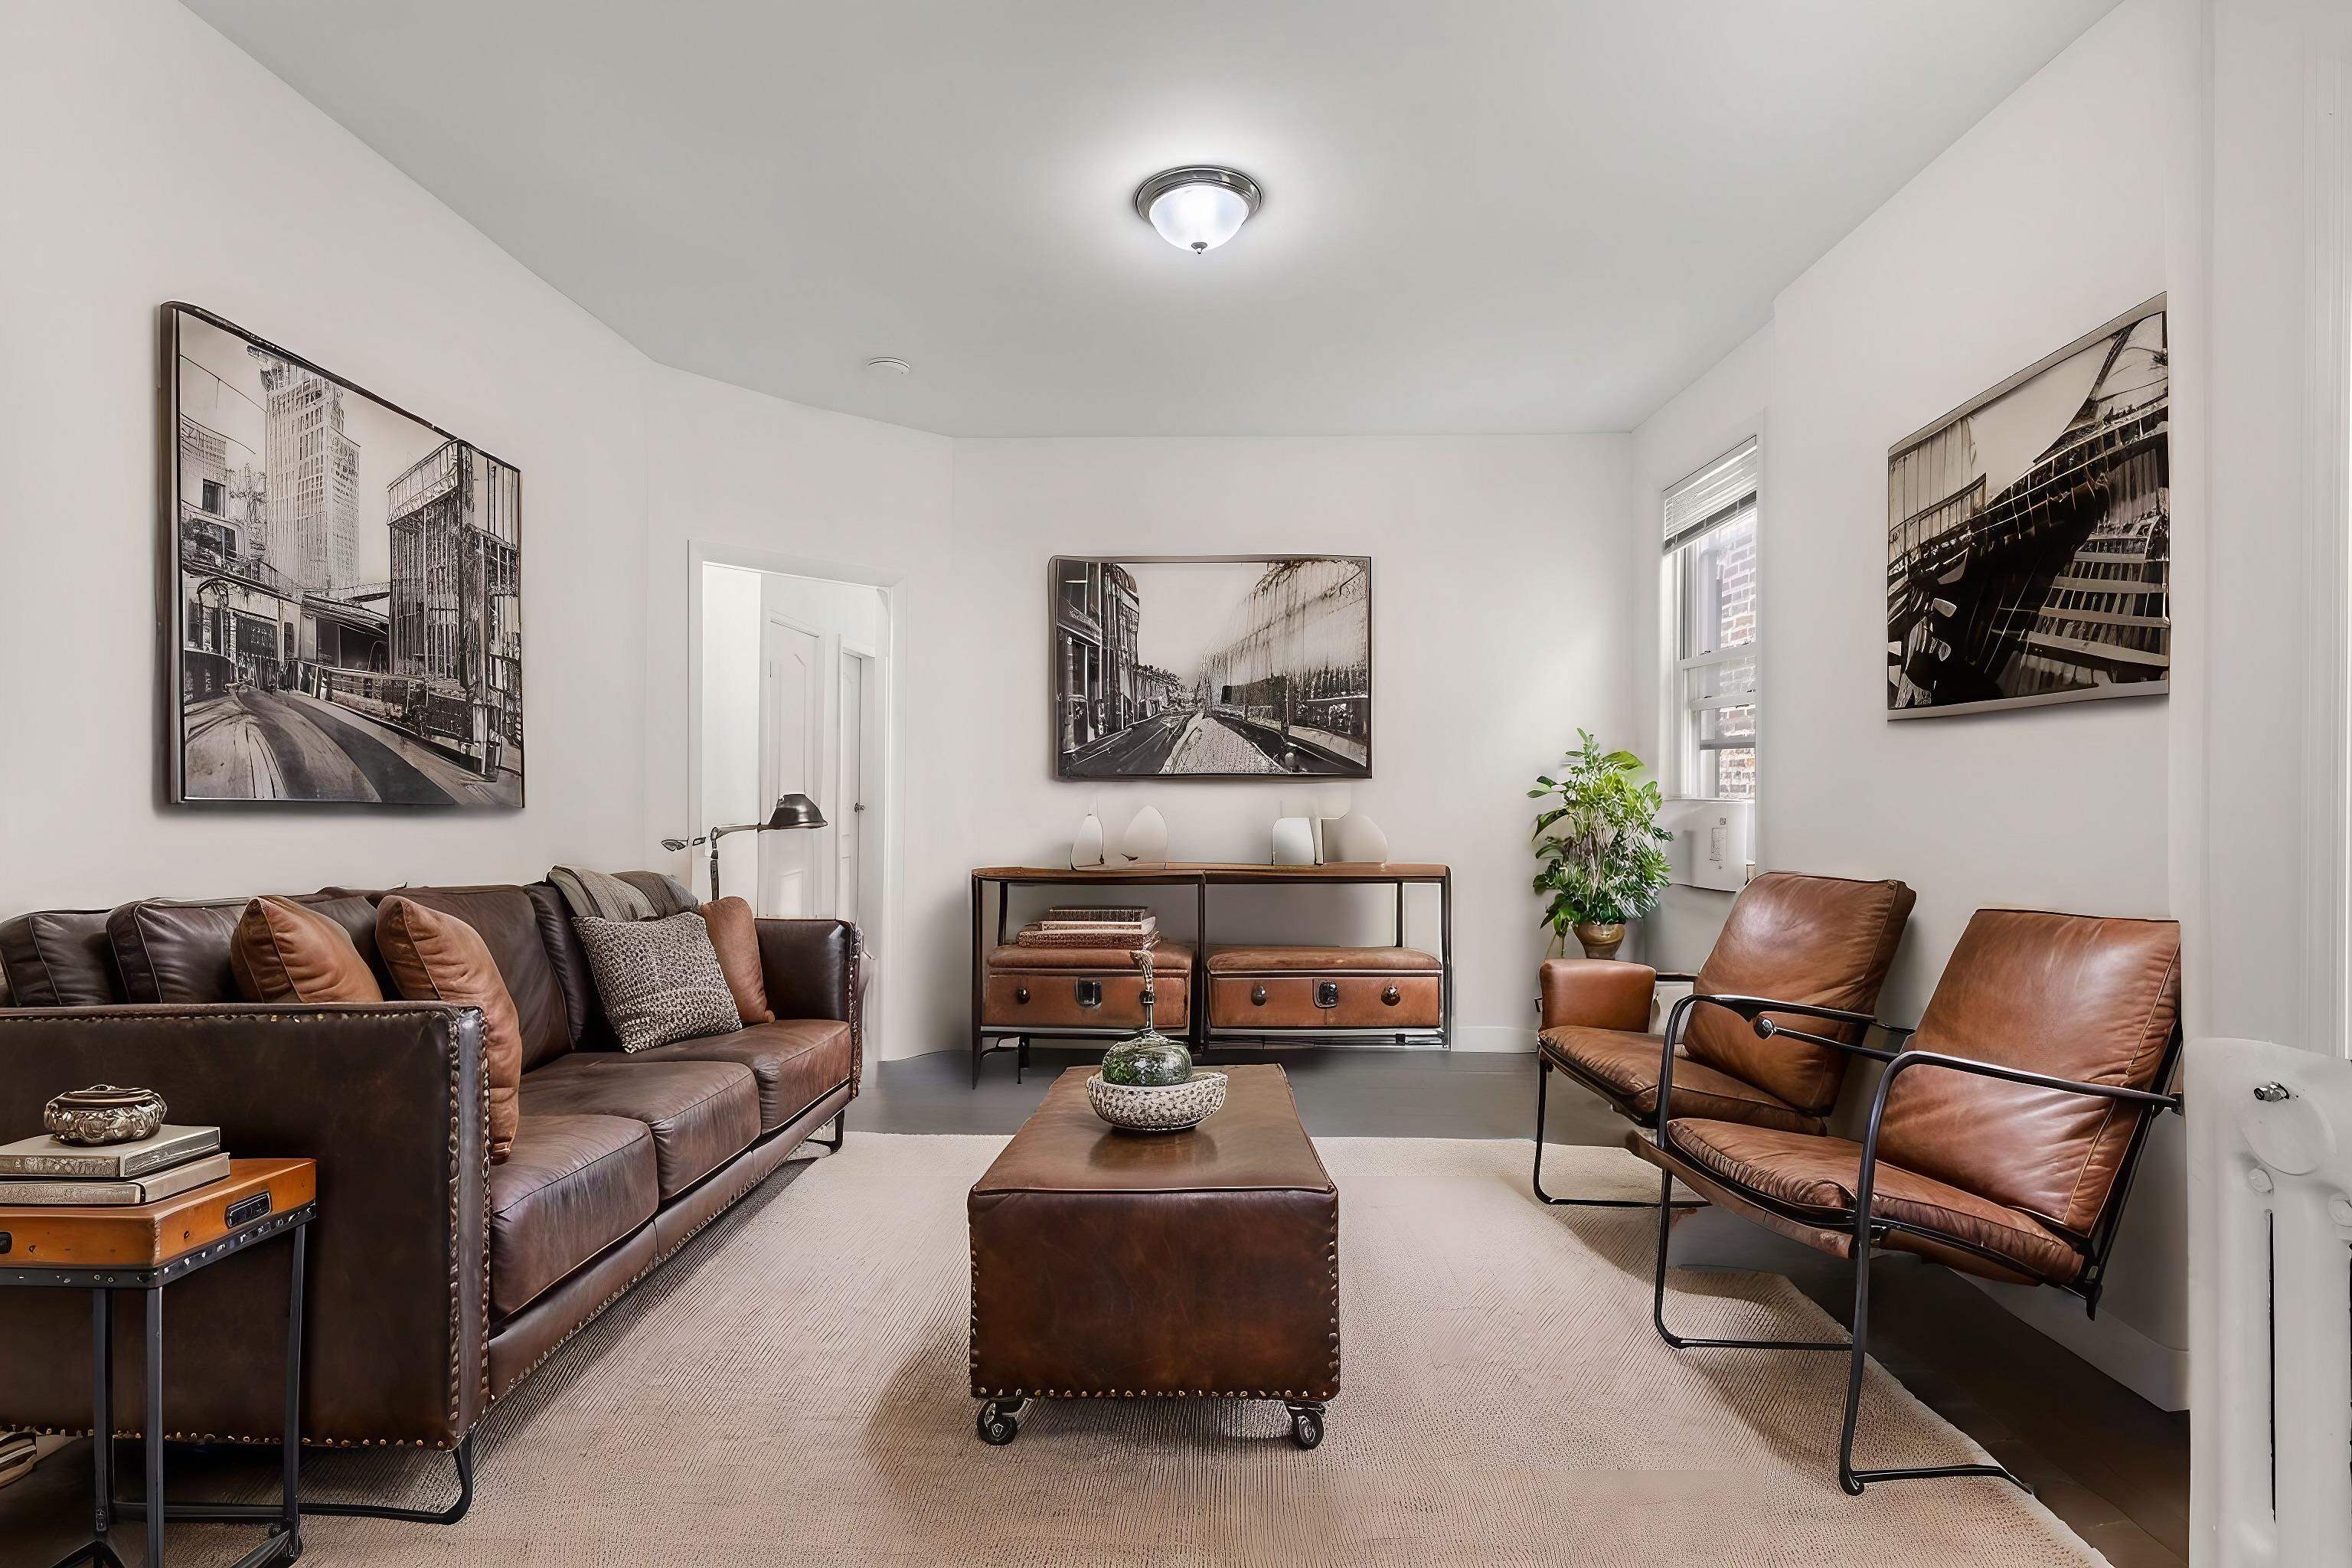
(792, 1390)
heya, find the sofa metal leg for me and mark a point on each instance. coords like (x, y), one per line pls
(840, 1125)
(1854, 1480)
(1658, 1297)
(1543, 1086)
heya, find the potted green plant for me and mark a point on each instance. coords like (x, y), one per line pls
(1600, 852)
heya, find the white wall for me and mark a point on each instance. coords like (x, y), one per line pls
(1498, 629)
(149, 161)
(1992, 257)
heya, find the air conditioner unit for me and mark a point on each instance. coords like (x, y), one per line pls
(1714, 841)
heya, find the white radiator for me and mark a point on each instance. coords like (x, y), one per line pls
(2270, 1240)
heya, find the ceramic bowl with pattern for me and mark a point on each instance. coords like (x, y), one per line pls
(103, 1113)
(1163, 1108)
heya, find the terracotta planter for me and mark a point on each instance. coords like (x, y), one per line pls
(1600, 939)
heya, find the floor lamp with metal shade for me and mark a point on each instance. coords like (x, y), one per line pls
(791, 811)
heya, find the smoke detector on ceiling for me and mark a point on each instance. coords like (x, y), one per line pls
(886, 366)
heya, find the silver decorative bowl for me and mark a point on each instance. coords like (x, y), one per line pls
(1164, 1108)
(103, 1113)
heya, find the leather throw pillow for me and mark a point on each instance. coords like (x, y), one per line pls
(281, 952)
(437, 957)
(659, 980)
(735, 939)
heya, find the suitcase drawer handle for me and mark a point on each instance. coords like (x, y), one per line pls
(1392, 995)
(1327, 993)
(1021, 995)
(1257, 995)
(1089, 993)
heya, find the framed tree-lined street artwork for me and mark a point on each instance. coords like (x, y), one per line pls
(344, 588)
(1212, 667)
(2029, 534)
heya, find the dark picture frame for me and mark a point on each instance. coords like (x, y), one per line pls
(1210, 667)
(341, 586)
(2029, 534)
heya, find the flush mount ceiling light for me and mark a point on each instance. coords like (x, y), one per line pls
(1199, 207)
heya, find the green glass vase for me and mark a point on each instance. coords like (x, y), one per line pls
(1148, 1058)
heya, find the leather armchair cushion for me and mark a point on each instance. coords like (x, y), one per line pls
(281, 952)
(1816, 1177)
(59, 958)
(2090, 999)
(1598, 993)
(702, 1114)
(1824, 941)
(171, 950)
(572, 1186)
(735, 939)
(1624, 1067)
(437, 957)
(795, 1061)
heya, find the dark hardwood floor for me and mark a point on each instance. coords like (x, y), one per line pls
(2114, 1468)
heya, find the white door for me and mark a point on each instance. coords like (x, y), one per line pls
(793, 701)
(849, 832)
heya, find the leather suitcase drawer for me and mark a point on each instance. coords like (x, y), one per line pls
(1055, 1001)
(1307, 1000)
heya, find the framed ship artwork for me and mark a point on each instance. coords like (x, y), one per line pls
(2029, 534)
(343, 589)
(1212, 667)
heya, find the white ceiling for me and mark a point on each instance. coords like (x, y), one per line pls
(1480, 214)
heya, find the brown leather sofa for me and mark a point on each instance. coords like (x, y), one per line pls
(2002, 1139)
(437, 1281)
(1825, 942)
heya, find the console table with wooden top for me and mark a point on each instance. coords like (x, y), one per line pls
(990, 1034)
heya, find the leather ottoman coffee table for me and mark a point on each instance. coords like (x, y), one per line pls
(1199, 1265)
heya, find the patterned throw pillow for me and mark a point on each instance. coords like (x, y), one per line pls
(659, 980)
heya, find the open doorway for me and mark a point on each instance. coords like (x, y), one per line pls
(792, 695)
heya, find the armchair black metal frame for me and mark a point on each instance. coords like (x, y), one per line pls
(1544, 1069)
(1869, 1229)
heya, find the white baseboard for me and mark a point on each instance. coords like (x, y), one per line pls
(1494, 1038)
(2157, 1372)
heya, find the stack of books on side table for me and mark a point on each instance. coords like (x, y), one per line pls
(46, 1171)
(1086, 926)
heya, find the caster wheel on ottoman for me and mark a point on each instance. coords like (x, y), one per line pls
(1306, 1427)
(999, 1424)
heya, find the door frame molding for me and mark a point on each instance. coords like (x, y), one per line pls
(881, 926)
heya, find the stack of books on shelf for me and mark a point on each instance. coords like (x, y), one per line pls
(1083, 926)
(46, 1171)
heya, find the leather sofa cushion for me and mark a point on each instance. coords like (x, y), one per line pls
(437, 957)
(1816, 1177)
(2071, 996)
(280, 952)
(59, 958)
(702, 1114)
(171, 951)
(573, 982)
(1623, 1065)
(1824, 941)
(572, 1186)
(735, 939)
(514, 924)
(795, 1061)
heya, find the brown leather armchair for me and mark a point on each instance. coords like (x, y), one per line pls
(1822, 941)
(2001, 1141)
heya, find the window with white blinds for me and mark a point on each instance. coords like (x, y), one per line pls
(1710, 562)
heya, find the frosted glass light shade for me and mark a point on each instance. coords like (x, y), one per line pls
(1197, 209)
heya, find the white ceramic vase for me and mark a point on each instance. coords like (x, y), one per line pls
(1146, 838)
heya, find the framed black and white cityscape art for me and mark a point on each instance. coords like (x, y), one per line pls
(2029, 535)
(344, 588)
(1211, 666)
